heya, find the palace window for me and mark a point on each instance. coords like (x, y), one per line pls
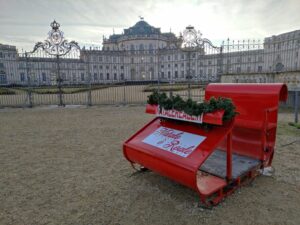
(74, 77)
(95, 76)
(101, 76)
(107, 76)
(44, 78)
(82, 76)
(115, 76)
(182, 74)
(3, 79)
(22, 77)
(259, 69)
(209, 72)
(63, 76)
(176, 74)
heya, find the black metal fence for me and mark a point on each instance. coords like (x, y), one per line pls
(93, 76)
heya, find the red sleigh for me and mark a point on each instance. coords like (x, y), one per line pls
(217, 161)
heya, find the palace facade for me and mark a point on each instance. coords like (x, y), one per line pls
(144, 53)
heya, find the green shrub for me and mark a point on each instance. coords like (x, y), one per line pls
(6, 91)
(191, 107)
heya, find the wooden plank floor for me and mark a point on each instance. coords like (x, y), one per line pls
(216, 164)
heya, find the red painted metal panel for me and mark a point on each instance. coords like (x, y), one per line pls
(180, 169)
(254, 131)
(215, 118)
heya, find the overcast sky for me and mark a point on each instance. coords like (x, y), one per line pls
(24, 22)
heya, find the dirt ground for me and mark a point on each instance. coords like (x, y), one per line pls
(65, 166)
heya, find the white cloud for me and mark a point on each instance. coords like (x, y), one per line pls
(25, 22)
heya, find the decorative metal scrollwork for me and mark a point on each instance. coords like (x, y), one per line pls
(56, 44)
(192, 39)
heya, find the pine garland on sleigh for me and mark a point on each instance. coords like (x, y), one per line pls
(191, 107)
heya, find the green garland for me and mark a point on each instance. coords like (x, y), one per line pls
(191, 107)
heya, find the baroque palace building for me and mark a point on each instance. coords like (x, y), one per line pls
(144, 53)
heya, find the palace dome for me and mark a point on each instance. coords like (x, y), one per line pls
(141, 28)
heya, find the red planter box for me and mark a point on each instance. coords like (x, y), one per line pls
(215, 118)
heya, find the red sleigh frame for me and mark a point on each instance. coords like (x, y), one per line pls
(214, 168)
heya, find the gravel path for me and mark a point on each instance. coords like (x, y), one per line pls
(65, 166)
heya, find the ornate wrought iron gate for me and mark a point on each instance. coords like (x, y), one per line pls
(56, 55)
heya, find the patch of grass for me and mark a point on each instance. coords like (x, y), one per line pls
(65, 90)
(297, 125)
(287, 130)
(171, 87)
(6, 91)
